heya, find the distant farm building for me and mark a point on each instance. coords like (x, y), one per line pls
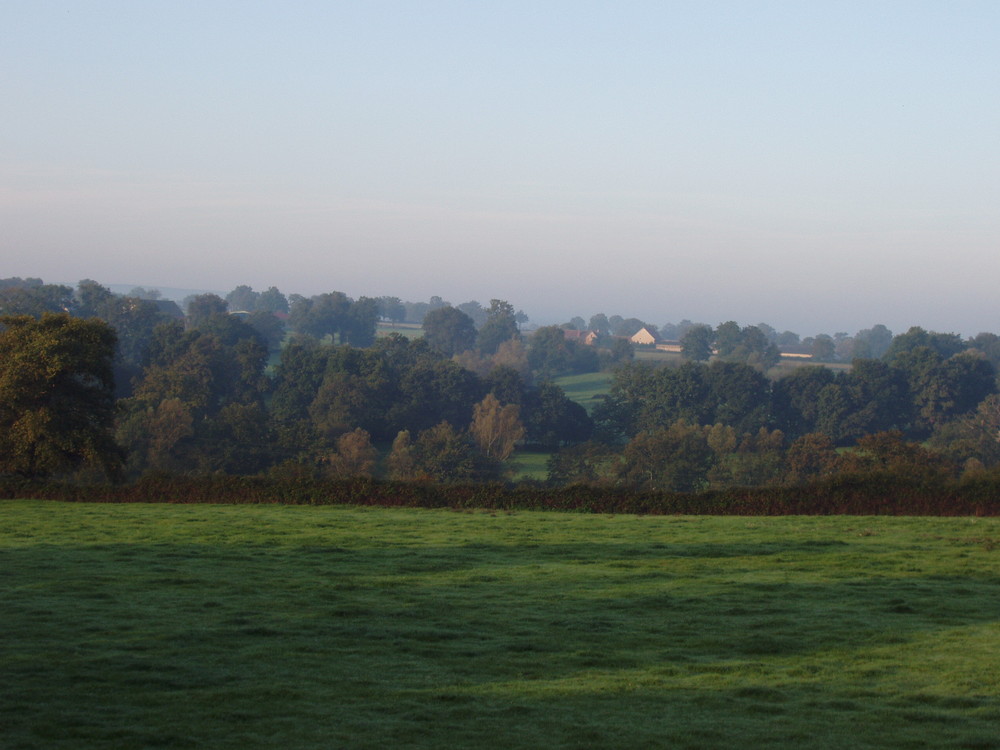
(796, 352)
(588, 338)
(669, 346)
(644, 337)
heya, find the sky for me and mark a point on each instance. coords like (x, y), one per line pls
(817, 166)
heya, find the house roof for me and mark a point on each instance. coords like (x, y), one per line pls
(638, 336)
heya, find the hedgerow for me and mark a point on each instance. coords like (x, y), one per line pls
(868, 494)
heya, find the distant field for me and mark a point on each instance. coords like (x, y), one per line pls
(410, 330)
(584, 389)
(657, 357)
(785, 366)
(788, 365)
(530, 465)
(131, 626)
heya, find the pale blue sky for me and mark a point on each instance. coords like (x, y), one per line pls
(819, 166)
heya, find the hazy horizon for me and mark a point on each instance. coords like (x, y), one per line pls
(816, 167)
(179, 294)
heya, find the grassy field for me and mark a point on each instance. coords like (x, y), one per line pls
(530, 465)
(656, 357)
(134, 626)
(410, 330)
(584, 389)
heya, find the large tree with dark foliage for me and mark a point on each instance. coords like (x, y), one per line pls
(445, 454)
(696, 343)
(336, 315)
(549, 352)
(242, 298)
(449, 331)
(201, 307)
(677, 458)
(56, 395)
(134, 321)
(551, 419)
(199, 405)
(501, 325)
(795, 399)
(36, 299)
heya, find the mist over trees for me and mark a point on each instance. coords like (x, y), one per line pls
(252, 390)
(264, 383)
(449, 331)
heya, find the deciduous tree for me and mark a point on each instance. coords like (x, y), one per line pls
(696, 343)
(320, 315)
(677, 458)
(401, 463)
(390, 308)
(272, 300)
(242, 298)
(34, 299)
(810, 457)
(446, 455)
(56, 395)
(872, 343)
(599, 324)
(201, 307)
(551, 419)
(355, 455)
(501, 325)
(496, 428)
(549, 353)
(728, 336)
(449, 331)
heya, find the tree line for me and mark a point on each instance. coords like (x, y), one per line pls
(929, 405)
(214, 392)
(263, 384)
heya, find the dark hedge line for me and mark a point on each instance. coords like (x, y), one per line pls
(870, 494)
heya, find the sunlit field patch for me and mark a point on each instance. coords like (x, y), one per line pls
(127, 626)
(585, 389)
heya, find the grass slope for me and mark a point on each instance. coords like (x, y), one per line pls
(409, 330)
(584, 389)
(128, 626)
(530, 465)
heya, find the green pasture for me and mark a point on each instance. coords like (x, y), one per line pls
(409, 330)
(586, 388)
(184, 626)
(657, 357)
(529, 465)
